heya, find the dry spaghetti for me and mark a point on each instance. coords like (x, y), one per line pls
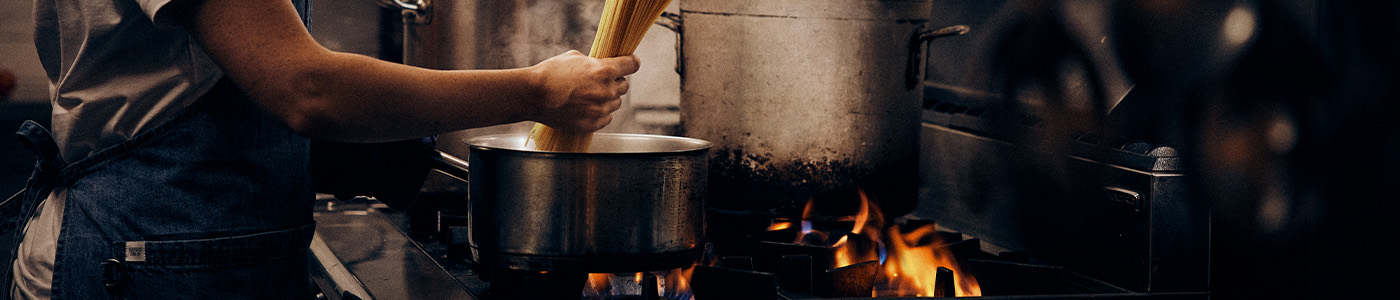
(620, 31)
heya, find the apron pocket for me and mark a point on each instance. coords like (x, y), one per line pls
(268, 265)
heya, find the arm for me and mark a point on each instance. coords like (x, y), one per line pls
(322, 94)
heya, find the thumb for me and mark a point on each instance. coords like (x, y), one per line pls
(625, 64)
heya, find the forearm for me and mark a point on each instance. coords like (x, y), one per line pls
(263, 47)
(323, 94)
(349, 97)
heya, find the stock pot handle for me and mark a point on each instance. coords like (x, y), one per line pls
(673, 22)
(449, 165)
(669, 20)
(414, 11)
(916, 43)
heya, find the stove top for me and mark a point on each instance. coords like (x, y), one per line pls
(366, 251)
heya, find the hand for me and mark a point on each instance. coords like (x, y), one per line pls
(579, 93)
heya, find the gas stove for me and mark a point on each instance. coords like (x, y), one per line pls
(1103, 218)
(366, 251)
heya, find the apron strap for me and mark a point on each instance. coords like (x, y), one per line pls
(15, 211)
(41, 142)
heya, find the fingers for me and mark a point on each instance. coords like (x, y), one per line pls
(584, 117)
(622, 65)
(600, 123)
(604, 91)
(623, 86)
(603, 115)
(612, 106)
(588, 125)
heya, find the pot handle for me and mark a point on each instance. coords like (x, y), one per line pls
(418, 12)
(673, 22)
(916, 43)
(449, 165)
(669, 20)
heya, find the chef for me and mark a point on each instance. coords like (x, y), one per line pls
(177, 165)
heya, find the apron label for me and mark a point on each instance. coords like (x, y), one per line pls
(135, 251)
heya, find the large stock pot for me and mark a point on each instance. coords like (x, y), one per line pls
(806, 99)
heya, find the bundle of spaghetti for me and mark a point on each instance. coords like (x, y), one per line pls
(620, 31)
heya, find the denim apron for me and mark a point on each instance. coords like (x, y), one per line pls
(213, 204)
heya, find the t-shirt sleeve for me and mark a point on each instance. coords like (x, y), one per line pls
(158, 11)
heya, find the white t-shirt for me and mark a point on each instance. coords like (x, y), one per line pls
(116, 68)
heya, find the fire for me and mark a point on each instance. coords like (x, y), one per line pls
(849, 254)
(681, 281)
(912, 268)
(779, 225)
(599, 281)
(863, 214)
(672, 284)
(910, 260)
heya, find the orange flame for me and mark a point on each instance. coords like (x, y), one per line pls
(910, 267)
(807, 210)
(849, 254)
(672, 284)
(779, 225)
(598, 282)
(680, 280)
(862, 215)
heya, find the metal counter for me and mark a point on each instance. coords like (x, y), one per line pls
(361, 251)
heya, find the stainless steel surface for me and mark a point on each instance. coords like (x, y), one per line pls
(633, 203)
(1120, 214)
(331, 276)
(804, 98)
(364, 244)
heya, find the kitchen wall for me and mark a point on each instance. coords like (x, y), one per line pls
(347, 25)
(17, 51)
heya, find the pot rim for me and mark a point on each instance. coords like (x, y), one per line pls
(682, 145)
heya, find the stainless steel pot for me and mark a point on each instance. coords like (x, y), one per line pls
(805, 99)
(632, 203)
